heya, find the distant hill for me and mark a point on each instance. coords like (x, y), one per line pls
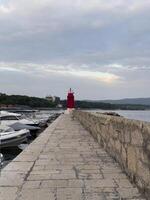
(131, 101)
(87, 104)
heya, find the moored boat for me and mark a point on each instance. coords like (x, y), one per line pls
(9, 137)
(15, 121)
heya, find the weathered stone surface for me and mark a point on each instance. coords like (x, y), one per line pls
(19, 166)
(68, 165)
(132, 159)
(8, 193)
(31, 184)
(10, 178)
(137, 137)
(128, 193)
(144, 172)
(36, 194)
(128, 141)
(69, 194)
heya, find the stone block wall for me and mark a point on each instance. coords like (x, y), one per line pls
(128, 141)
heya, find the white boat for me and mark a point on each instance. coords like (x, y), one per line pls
(15, 121)
(9, 137)
(45, 118)
(7, 119)
(6, 113)
(40, 120)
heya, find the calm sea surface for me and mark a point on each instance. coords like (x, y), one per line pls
(130, 114)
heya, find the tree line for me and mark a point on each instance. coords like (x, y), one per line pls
(106, 106)
(36, 102)
(19, 100)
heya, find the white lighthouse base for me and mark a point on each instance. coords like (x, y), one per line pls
(69, 110)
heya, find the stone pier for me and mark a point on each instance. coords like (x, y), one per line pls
(65, 163)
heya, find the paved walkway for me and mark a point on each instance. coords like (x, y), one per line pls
(65, 163)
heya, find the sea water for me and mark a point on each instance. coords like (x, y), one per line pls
(143, 115)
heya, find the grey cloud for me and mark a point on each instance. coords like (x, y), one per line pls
(92, 35)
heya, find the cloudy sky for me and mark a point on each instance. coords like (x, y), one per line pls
(99, 48)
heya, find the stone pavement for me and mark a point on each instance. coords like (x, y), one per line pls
(65, 163)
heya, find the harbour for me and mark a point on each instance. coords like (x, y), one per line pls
(9, 153)
(19, 129)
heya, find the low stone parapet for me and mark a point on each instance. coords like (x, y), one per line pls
(128, 141)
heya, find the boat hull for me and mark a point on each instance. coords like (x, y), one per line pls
(13, 139)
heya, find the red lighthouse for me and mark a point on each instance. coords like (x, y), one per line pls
(70, 100)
